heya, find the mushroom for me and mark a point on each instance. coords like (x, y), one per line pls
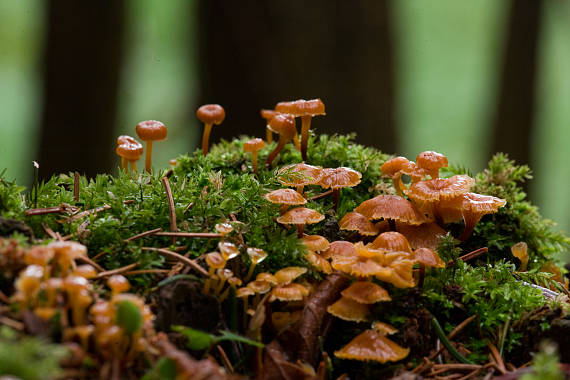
(338, 178)
(268, 115)
(425, 235)
(28, 284)
(223, 276)
(256, 255)
(289, 292)
(339, 248)
(392, 241)
(372, 346)
(316, 243)
(286, 198)
(224, 228)
(268, 277)
(392, 208)
(520, 251)
(299, 175)
(289, 274)
(253, 146)
(86, 271)
(244, 294)
(77, 289)
(130, 151)
(384, 328)
(209, 114)
(233, 283)
(306, 109)
(118, 284)
(215, 261)
(354, 221)
(361, 262)
(366, 292)
(428, 257)
(349, 310)
(149, 131)
(318, 262)
(284, 125)
(431, 162)
(394, 169)
(65, 252)
(228, 250)
(300, 216)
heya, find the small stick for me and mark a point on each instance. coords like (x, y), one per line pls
(76, 186)
(456, 366)
(129, 202)
(225, 359)
(321, 195)
(16, 325)
(49, 231)
(97, 256)
(190, 234)
(470, 255)
(188, 207)
(143, 234)
(4, 298)
(174, 255)
(126, 268)
(454, 332)
(44, 211)
(173, 227)
(146, 271)
(87, 260)
(497, 357)
(470, 374)
(88, 212)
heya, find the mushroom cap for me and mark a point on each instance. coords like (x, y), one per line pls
(384, 328)
(284, 125)
(228, 250)
(520, 251)
(336, 178)
(400, 270)
(70, 249)
(482, 204)
(224, 274)
(315, 243)
(224, 228)
(211, 114)
(256, 255)
(391, 207)
(319, 263)
(366, 292)
(234, 281)
(268, 277)
(339, 248)
(129, 148)
(151, 130)
(372, 346)
(302, 107)
(392, 241)
(268, 114)
(301, 215)
(287, 275)
(244, 292)
(396, 165)
(360, 266)
(253, 145)
(285, 197)
(259, 286)
(349, 310)
(86, 271)
(426, 235)
(215, 260)
(289, 292)
(299, 174)
(428, 258)
(437, 189)
(354, 221)
(38, 255)
(431, 160)
(118, 283)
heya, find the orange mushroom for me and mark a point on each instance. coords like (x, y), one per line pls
(130, 151)
(254, 146)
(284, 125)
(306, 109)
(256, 255)
(286, 198)
(349, 310)
(372, 346)
(474, 206)
(384, 328)
(268, 277)
(299, 175)
(289, 274)
(428, 257)
(319, 263)
(268, 115)
(394, 169)
(520, 251)
(393, 208)
(118, 284)
(366, 292)
(209, 114)
(354, 221)
(316, 243)
(149, 131)
(289, 292)
(215, 261)
(392, 241)
(224, 228)
(300, 216)
(426, 235)
(338, 178)
(228, 250)
(339, 248)
(431, 162)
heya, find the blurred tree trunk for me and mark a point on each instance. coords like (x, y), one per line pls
(82, 63)
(254, 54)
(514, 117)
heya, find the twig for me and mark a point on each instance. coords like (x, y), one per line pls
(497, 358)
(321, 195)
(225, 359)
(97, 256)
(143, 234)
(456, 367)
(470, 255)
(16, 325)
(174, 255)
(454, 332)
(45, 210)
(4, 298)
(172, 209)
(76, 179)
(87, 260)
(470, 374)
(49, 231)
(190, 234)
(188, 207)
(126, 268)
(146, 271)
(88, 212)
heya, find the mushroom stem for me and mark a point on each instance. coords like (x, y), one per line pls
(148, 156)
(123, 163)
(300, 228)
(280, 144)
(335, 198)
(284, 208)
(470, 223)
(250, 272)
(134, 166)
(305, 126)
(254, 161)
(206, 137)
(398, 184)
(208, 280)
(268, 135)
(300, 190)
(296, 141)
(422, 276)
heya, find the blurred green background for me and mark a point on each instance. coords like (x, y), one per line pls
(447, 55)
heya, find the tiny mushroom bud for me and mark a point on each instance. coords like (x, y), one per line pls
(253, 146)
(149, 131)
(130, 151)
(520, 251)
(283, 124)
(209, 114)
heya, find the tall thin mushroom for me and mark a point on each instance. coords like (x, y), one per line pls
(149, 131)
(284, 125)
(209, 114)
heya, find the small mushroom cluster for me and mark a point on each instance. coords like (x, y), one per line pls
(130, 150)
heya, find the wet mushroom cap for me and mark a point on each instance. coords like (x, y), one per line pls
(396, 165)
(384, 328)
(349, 310)
(366, 292)
(426, 235)
(211, 114)
(439, 188)
(244, 292)
(224, 228)
(372, 346)
(391, 207)
(253, 145)
(129, 148)
(151, 130)
(520, 251)
(318, 262)
(285, 197)
(302, 107)
(284, 125)
(428, 258)
(287, 275)
(301, 215)
(268, 114)
(431, 161)
(86, 271)
(315, 243)
(228, 250)
(360, 266)
(354, 221)
(299, 174)
(268, 277)
(215, 260)
(256, 255)
(392, 241)
(118, 283)
(259, 286)
(339, 248)
(336, 178)
(289, 292)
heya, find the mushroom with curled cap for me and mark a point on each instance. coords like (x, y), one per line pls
(395, 168)
(383, 328)
(338, 178)
(392, 208)
(339, 248)
(392, 241)
(209, 114)
(299, 217)
(284, 125)
(150, 131)
(228, 250)
(289, 292)
(130, 151)
(430, 162)
(299, 175)
(253, 146)
(349, 310)
(215, 260)
(305, 109)
(286, 198)
(372, 346)
(316, 243)
(256, 255)
(289, 274)
(520, 251)
(366, 292)
(353, 221)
